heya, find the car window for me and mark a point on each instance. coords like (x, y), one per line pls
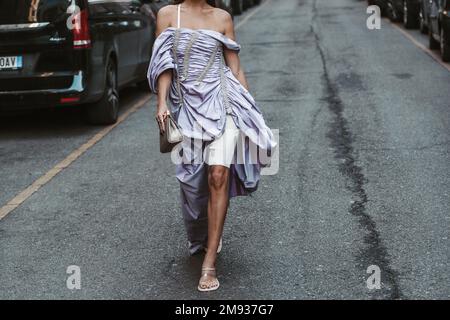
(32, 11)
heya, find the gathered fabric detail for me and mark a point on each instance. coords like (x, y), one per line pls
(203, 93)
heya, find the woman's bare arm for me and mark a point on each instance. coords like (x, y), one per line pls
(231, 56)
(164, 80)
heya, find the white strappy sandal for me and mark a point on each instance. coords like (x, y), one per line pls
(205, 284)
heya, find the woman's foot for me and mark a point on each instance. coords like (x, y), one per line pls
(208, 280)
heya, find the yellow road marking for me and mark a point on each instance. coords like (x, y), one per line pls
(428, 51)
(49, 175)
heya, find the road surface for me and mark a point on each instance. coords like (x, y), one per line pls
(364, 178)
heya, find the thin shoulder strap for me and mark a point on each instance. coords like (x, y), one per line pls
(178, 15)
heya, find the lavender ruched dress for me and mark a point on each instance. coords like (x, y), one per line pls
(206, 92)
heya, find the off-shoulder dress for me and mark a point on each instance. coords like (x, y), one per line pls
(203, 93)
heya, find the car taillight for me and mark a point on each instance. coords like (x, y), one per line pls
(81, 34)
(69, 99)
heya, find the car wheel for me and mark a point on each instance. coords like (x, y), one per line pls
(106, 111)
(410, 20)
(422, 25)
(432, 43)
(238, 6)
(445, 47)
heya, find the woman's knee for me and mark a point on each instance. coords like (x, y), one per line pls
(218, 177)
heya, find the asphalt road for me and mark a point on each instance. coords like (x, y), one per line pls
(364, 178)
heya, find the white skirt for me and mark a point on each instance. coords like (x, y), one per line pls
(221, 151)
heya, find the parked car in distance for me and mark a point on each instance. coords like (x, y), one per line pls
(439, 27)
(245, 4)
(237, 6)
(380, 3)
(424, 13)
(250, 3)
(394, 10)
(223, 4)
(157, 4)
(65, 53)
(406, 11)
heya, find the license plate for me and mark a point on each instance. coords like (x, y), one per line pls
(11, 63)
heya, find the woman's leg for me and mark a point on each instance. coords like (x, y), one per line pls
(219, 156)
(217, 209)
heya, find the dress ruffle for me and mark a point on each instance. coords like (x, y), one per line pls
(161, 60)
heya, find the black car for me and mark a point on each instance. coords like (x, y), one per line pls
(223, 4)
(380, 3)
(237, 6)
(424, 13)
(248, 3)
(404, 10)
(158, 4)
(71, 52)
(439, 27)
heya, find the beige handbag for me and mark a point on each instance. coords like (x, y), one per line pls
(171, 136)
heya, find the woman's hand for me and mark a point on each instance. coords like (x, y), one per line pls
(162, 113)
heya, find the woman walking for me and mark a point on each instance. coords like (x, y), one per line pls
(196, 73)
